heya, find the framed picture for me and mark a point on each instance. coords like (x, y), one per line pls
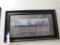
(27, 25)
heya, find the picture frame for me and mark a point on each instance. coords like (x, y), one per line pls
(48, 27)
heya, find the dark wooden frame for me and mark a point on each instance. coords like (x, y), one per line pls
(22, 12)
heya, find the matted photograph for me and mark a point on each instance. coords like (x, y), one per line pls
(31, 25)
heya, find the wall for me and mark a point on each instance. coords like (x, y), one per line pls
(58, 12)
(27, 5)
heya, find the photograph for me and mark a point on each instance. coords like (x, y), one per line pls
(30, 25)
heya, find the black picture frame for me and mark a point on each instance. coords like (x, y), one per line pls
(23, 12)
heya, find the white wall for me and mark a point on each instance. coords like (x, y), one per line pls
(26, 5)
